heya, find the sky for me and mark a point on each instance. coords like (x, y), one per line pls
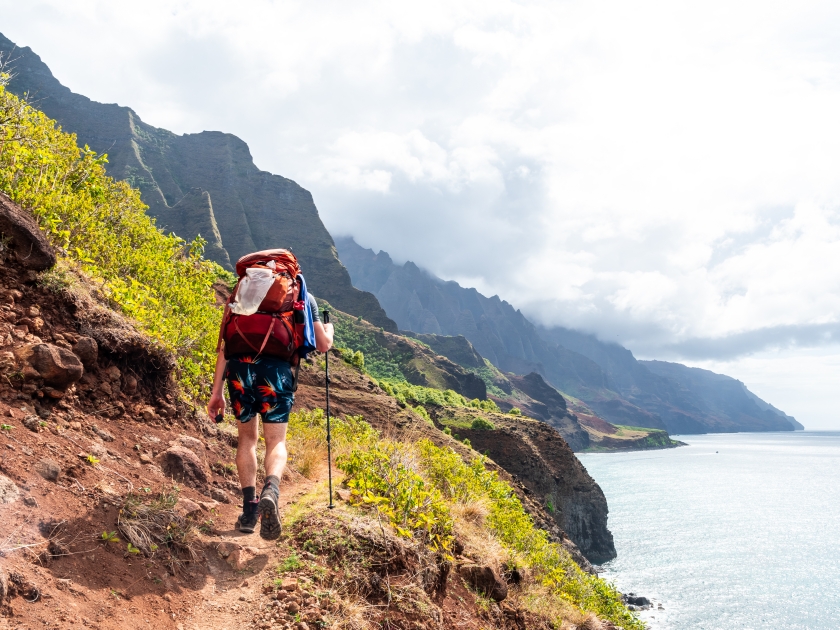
(665, 175)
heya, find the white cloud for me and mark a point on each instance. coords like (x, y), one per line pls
(654, 172)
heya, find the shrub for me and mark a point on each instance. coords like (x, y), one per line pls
(482, 424)
(385, 477)
(515, 411)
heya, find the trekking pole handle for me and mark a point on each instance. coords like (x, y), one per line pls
(326, 315)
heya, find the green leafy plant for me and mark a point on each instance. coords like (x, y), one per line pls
(382, 477)
(92, 460)
(292, 563)
(6, 427)
(132, 549)
(109, 537)
(515, 411)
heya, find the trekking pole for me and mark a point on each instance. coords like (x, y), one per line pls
(329, 433)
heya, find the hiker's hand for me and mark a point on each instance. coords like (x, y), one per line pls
(216, 405)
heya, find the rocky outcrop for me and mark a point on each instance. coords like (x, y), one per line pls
(547, 404)
(201, 184)
(532, 457)
(23, 237)
(540, 459)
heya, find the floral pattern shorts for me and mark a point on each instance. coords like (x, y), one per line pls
(260, 385)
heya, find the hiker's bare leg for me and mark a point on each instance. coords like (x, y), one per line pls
(275, 448)
(246, 452)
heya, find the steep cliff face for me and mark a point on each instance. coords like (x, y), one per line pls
(201, 184)
(535, 454)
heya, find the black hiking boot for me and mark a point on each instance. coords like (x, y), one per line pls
(269, 513)
(247, 521)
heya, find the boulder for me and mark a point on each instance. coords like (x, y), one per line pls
(194, 444)
(183, 465)
(48, 469)
(57, 366)
(87, 350)
(636, 600)
(30, 245)
(484, 580)
(219, 495)
(9, 491)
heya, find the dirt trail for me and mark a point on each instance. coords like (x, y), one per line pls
(232, 597)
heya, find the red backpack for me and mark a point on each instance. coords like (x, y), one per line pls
(276, 329)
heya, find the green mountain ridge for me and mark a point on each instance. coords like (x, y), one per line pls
(199, 184)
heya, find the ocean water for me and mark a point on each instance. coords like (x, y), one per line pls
(732, 531)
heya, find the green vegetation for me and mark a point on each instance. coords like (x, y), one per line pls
(101, 227)
(416, 487)
(482, 424)
(417, 394)
(353, 338)
(491, 375)
(515, 411)
(292, 563)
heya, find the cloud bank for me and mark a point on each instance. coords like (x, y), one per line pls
(664, 175)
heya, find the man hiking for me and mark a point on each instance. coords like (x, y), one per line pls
(270, 323)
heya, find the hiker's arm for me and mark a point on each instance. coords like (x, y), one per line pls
(323, 336)
(217, 397)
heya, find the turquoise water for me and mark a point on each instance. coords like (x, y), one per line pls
(733, 531)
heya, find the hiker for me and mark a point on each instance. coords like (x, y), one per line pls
(270, 323)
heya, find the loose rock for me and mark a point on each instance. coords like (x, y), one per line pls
(48, 469)
(187, 508)
(105, 435)
(219, 495)
(183, 465)
(9, 491)
(33, 423)
(194, 444)
(7, 361)
(129, 385)
(484, 580)
(87, 350)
